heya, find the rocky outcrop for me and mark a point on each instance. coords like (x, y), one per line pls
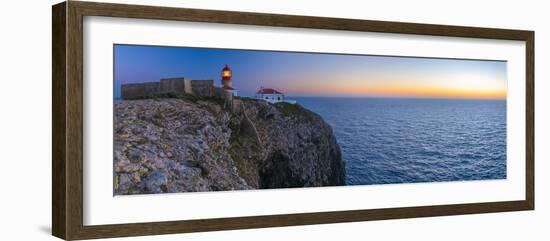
(190, 144)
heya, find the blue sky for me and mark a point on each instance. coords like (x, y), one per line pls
(315, 74)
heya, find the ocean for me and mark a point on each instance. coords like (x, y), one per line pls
(391, 140)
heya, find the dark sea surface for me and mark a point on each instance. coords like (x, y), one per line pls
(385, 140)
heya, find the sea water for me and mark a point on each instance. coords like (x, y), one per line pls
(391, 140)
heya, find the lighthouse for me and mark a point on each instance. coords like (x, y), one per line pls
(227, 83)
(226, 78)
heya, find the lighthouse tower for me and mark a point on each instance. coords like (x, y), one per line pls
(227, 83)
(226, 78)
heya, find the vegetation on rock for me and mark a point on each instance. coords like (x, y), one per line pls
(186, 143)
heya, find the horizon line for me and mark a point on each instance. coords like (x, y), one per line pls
(389, 97)
(381, 97)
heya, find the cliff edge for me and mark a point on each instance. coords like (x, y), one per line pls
(196, 144)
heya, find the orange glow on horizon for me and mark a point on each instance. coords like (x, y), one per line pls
(437, 92)
(414, 91)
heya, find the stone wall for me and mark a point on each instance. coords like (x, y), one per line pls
(129, 91)
(188, 89)
(173, 85)
(202, 87)
(168, 85)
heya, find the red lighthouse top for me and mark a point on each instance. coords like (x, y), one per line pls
(226, 73)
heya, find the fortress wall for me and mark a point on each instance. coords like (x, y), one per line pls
(203, 87)
(187, 85)
(218, 92)
(172, 85)
(128, 91)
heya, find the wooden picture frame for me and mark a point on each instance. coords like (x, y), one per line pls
(67, 152)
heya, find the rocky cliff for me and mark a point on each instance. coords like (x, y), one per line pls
(193, 144)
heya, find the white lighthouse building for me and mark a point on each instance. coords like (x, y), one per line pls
(270, 95)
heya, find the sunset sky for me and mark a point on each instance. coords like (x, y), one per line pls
(314, 74)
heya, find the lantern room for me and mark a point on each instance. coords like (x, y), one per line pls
(226, 73)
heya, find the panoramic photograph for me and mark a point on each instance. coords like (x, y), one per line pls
(190, 119)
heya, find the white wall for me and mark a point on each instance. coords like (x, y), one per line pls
(25, 120)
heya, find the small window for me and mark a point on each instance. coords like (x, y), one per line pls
(266, 97)
(279, 98)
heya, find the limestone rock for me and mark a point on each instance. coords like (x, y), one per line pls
(185, 145)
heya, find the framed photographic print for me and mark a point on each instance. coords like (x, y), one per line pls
(171, 120)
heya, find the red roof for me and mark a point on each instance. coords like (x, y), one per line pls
(268, 91)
